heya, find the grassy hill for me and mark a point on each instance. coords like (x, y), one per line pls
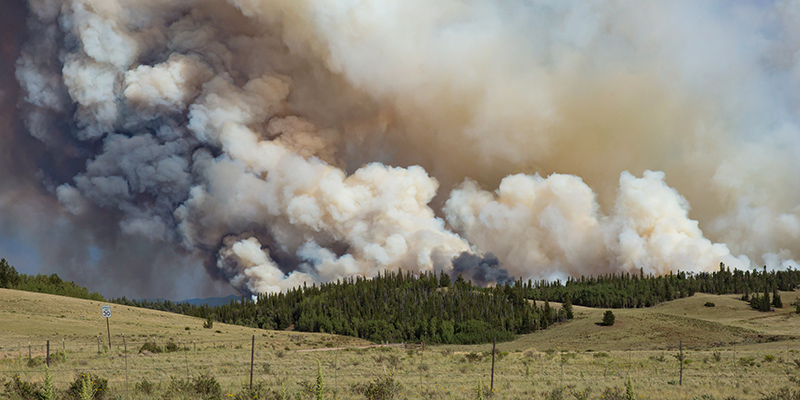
(730, 322)
(39, 317)
(730, 350)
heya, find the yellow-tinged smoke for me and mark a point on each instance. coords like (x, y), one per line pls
(309, 140)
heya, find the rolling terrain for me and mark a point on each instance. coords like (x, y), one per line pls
(731, 351)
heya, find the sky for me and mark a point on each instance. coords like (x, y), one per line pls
(205, 147)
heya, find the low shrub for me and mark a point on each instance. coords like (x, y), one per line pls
(177, 388)
(473, 356)
(710, 304)
(784, 393)
(151, 347)
(555, 394)
(35, 362)
(747, 361)
(257, 392)
(171, 347)
(99, 386)
(18, 388)
(613, 393)
(382, 388)
(145, 387)
(207, 386)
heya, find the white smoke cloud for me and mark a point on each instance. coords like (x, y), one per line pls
(297, 141)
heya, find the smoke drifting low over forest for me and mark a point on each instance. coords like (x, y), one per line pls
(271, 143)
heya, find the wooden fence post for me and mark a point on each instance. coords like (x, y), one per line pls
(252, 359)
(680, 346)
(491, 385)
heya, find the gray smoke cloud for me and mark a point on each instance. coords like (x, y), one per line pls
(481, 270)
(287, 142)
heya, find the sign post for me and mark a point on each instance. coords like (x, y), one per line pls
(107, 314)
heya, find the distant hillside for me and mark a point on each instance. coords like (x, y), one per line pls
(50, 284)
(212, 301)
(626, 290)
(393, 307)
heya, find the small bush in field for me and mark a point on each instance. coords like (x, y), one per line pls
(97, 385)
(747, 361)
(151, 347)
(473, 356)
(207, 386)
(35, 362)
(382, 388)
(613, 393)
(555, 394)
(177, 387)
(710, 304)
(171, 347)
(784, 393)
(256, 393)
(21, 389)
(145, 387)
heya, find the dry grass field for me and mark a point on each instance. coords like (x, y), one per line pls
(730, 351)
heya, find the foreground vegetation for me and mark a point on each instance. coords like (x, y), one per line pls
(439, 373)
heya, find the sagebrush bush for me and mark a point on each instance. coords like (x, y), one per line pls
(171, 347)
(151, 347)
(98, 385)
(18, 388)
(382, 388)
(207, 386)
(145, 387)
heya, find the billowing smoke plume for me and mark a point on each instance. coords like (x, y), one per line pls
(480, 270)
(292, 141)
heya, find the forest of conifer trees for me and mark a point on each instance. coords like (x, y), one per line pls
(396, 306)
(50, 284)
(393, 307)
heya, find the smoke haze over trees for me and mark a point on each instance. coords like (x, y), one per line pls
(263, 145)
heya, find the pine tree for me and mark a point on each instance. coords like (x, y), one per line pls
(608, 318)
(766, 303)
(568, 308)
(776, 299)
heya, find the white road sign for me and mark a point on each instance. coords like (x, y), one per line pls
(106, 311)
